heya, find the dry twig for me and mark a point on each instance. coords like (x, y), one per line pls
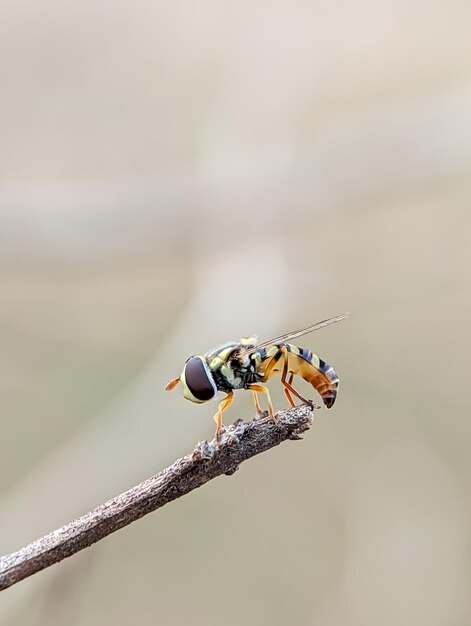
(240, 441)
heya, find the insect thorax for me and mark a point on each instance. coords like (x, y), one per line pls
(231, 371)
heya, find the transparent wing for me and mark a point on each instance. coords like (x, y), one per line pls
(296, 333)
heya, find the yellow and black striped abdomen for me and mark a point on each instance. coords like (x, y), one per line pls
(302, 362)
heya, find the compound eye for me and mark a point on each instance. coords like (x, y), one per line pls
(198, 379)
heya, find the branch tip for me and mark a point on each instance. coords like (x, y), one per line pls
(239, 442)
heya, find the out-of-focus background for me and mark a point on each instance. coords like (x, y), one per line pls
(175, 175)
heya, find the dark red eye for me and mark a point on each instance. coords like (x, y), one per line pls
(197, 379)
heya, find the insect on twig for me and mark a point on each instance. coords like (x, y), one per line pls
(248, 364)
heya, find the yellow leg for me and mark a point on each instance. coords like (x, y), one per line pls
(264, 390)
(256, 402)
(268, 372)
(287, 384)
(289, 397)
(223, 405)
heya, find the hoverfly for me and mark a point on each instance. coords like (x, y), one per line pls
(247, 364)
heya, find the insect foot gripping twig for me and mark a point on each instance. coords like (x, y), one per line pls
(238, 443)
(243, 440)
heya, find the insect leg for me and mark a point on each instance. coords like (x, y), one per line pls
(264, 390)
(268, 372)
(289, 397)
(256, 402)
(287, 384)
(223, 405)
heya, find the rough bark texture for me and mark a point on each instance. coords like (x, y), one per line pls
(239, 442)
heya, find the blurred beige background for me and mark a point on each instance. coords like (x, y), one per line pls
(174, 175)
